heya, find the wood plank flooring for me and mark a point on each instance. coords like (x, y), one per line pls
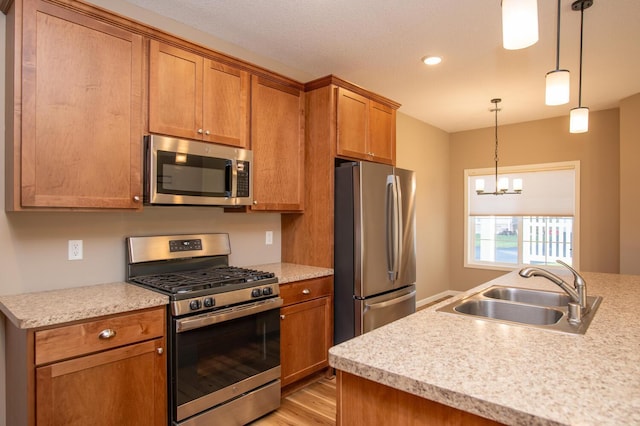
(314, 405)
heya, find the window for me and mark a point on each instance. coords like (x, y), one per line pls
(518, 240)
(536, 227)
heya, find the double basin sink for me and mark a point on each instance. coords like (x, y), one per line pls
(533, 308)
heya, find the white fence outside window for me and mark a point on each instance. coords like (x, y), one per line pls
(545, 239)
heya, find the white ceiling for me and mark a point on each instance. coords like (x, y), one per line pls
(378, 44)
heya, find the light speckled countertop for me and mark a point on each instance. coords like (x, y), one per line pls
(514, 374)
(43, 308)
(46, 308)
(289, 272)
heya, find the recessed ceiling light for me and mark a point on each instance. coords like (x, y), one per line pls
(432, 60)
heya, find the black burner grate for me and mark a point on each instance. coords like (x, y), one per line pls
(201, 279)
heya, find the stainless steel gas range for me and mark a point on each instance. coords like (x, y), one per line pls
(224, 328)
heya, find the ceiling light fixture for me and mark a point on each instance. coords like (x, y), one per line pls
(579, 117)
(519, 23)
(432, 60)
(502, 184)
(557, 81)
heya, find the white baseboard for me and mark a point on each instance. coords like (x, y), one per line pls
(435, 297)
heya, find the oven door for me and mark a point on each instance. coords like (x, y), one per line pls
(219, 356)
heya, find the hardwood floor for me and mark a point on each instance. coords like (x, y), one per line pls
(312, 405)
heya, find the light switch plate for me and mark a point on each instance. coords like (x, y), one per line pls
(268, 238)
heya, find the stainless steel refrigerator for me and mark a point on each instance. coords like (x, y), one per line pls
(375, 257)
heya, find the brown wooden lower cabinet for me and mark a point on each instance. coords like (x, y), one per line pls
(121, 386)
(104, 371)
(306, 328)
(365, 402)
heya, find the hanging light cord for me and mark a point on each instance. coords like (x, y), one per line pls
(580, 75)
(558, 40)
(496, 109)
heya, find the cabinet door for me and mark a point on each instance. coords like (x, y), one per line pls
(124, 386)
(225, 105)
(277, 141)
(305, 338)
(81, 103)
(352, 134)
(175, 91)
(382, 133)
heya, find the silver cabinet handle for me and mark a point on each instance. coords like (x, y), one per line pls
(107, 334)
(199, 131)
(207, 133)
(306, 291)
(282, 317)
(160, 351)
(255, 202)
(136, 198)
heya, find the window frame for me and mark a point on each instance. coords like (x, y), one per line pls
(468, 242)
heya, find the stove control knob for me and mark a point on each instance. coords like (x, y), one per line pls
(267, 291)
(209, 302)
(256, 292)
(194, 305)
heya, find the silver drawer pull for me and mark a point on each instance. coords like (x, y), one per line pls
(106, 334)
(160, 351)
(306, 291)
(282, 317)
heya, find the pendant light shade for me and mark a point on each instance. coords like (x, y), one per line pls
(579, 120)
(558, 84)
(519, 23)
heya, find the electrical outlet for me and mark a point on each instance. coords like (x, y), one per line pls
(268, 238)
(75, 249)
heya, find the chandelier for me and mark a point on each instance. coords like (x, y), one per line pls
(502, 184)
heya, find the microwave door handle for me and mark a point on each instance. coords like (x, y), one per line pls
(231, 172)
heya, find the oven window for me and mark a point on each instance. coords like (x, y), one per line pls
(216, 356)
(188, 174)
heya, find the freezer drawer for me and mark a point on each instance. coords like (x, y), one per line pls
(377, 311)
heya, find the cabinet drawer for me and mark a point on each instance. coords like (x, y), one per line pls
(306, 290)
(97, 335)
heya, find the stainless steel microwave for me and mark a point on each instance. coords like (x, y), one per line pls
(188, 172)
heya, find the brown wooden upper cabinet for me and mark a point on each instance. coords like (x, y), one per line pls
(366, 129)
(76, 123)
(277, 141)
(194, 97)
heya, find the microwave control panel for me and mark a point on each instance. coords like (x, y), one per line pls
(243, 179)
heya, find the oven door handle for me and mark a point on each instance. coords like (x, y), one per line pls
(191, 323)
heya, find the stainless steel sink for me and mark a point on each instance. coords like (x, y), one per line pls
(523, 295)
(539, 309)
(527, 314)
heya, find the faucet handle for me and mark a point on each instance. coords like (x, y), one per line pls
(578, 280)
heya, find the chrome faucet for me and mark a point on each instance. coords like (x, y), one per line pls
(578, 292)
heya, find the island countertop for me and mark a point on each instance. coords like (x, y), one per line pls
(513, 374)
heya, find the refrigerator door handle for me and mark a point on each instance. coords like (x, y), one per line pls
(388, 303)
(391, 227)
(399, 228)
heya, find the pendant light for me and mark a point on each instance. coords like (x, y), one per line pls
(579, 117)
(519, 23)
(502, 184)
(557, 81)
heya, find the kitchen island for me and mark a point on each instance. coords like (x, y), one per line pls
(472, 371)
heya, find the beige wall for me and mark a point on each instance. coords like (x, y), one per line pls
(546, 141)
(425, 149)
(630, 185)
